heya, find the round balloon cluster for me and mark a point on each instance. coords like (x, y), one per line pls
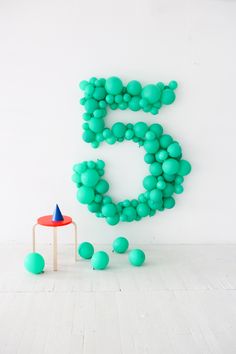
(166, 175)
(101, 94)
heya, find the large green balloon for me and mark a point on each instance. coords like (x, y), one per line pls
(136, 257)
(85, 195)
(184, 168)
(114, 85)
(86, 250)
(34, 263)
(100, 260)
(170, 166)
(151, 93)
(90, 178)
(134, 88)
(120, 245)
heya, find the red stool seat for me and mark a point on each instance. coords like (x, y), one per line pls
(47, 221)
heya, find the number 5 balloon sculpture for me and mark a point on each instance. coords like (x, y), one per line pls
(163, 154)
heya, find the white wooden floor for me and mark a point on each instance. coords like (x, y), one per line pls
(182, 301)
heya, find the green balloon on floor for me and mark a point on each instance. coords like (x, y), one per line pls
(86, 250)
(34, 263)
(120, 245)
(100, 260)
(136, 257)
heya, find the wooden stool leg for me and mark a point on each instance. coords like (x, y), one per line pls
(76, 241)
(54, 248)
(33, 237)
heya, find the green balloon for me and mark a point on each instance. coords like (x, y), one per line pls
(86, 250)
(155, 169)
(99, 260)
(174, 150)
(34, 263)
(161, 185)
(179, 189)
(140, 129)
(142, 209)
(96, 125)
(99, 93)
(165, 141)
(102, 187)
(130, 213)
(169, 202)
(90, 178)
(168, 96)
(155, 195)
(113, 220)
(169, 190)
(120, 245)
(85, 195)
(109, 209)
(94, 207)
(184, 168)
(136, 257)
(170, 166)
(149, 158)
(118, 129)
(91, 105)
(88, 136)
(114, 85)
(151, 146)
(151, 93)
(134, 104)
(161, 155)
(149, 182)
(134, 88)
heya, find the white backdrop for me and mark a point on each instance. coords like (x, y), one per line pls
(48, 46)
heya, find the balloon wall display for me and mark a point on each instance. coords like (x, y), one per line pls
(163, 154)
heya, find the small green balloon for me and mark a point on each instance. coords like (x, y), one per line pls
(85, 195)
(168, 96)
(165, 141)
(155, 169)
(169, 202)
(88, 136)
(174, 150)
(91, 105)
(99, 260)
(184, 168)
(120, 245)
(142, 209)
(134, 88)
(170, 166)
(151, 146)
(140, 129)
(118, 129)
(34, 263)
(134, 104)
(155, 195)
(99, 93)
(114, 85)
(90, 178)
(149, 182)
(130, 213)
(102, 186)
(136, 257)
(161, 155)
(86, 250)
(113, 220)
(149, 158)
(109, 209)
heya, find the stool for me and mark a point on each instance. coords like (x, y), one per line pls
(47, 221)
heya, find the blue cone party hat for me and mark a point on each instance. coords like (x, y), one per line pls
(57, 215)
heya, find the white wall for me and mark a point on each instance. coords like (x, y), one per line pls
(47, 47)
